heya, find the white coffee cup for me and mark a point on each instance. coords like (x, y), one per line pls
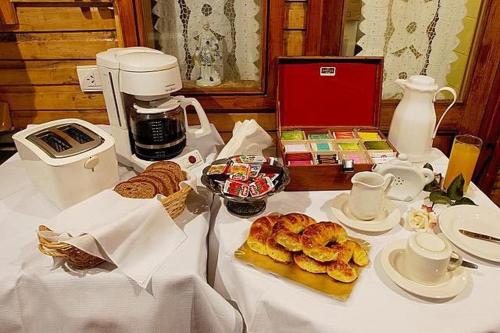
(367, 194)
(427, 258)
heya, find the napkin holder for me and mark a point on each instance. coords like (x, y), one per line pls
(328, 94)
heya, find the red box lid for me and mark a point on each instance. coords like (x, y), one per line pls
(329, 91)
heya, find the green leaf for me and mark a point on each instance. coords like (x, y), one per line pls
(428, 166)
(439, 197)
(432, 186)
(456, 188)
(464, 201)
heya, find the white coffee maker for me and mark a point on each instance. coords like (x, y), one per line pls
(147, 123)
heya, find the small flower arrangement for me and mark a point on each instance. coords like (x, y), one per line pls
(422, 218)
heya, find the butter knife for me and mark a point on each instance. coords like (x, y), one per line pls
(477, 235)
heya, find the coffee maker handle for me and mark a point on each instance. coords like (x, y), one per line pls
(204, 124)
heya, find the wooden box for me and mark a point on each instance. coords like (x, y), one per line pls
(329, 96)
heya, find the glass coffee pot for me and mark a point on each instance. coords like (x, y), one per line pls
(159, 127)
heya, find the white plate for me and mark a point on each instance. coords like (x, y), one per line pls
(391, 259)
(388, 218)
(478, 219)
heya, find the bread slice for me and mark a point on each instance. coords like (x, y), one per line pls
(136, 190)
(160, 188)
(166, 179)
(172, 167)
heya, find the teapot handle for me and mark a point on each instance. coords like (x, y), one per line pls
(428, 175)
(204, 124)
(454, 93)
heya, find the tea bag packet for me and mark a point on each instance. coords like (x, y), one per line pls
(292, 135)
(322, 146)
(343, 135)
(327, 159)
(349, 146)
(377, 145)
(365, 135)
(318, 136)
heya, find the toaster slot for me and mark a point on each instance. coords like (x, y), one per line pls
(54, 141)
(76, 134)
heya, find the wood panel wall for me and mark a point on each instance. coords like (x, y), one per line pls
(39, 55)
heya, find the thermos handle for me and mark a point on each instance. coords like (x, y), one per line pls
(204, 124)
(454, 93)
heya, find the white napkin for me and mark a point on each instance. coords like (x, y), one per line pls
(248, 138)
(134, 234)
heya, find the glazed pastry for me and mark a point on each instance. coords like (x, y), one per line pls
(359, 255)
(342, 271)
(277, 251)
(309, 264)
(316, 237)
(260, 231)
(288, 228)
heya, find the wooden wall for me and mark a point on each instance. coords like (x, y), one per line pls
(38, 59)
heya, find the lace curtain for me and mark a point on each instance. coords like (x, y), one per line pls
(236, 23)
(414, 36)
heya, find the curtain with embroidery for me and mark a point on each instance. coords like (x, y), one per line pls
(414, 36)
(235, 23)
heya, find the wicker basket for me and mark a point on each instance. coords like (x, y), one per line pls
(78, 259)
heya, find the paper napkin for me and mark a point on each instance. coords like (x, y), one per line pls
(248, 138)
(134, 234)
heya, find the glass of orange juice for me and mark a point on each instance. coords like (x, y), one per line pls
(463, 158)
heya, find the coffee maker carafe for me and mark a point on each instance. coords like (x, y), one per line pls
(148, 124)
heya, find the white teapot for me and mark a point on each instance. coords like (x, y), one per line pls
(409, 180)
(413, 126)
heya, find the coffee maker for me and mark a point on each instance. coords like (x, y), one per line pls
(148, 124)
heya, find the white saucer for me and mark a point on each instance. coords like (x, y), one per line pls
(479, 219)
(391, 259)
(389, 216)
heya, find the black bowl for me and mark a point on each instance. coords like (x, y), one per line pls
(248, 206)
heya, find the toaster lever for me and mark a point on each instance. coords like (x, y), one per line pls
(91, 163)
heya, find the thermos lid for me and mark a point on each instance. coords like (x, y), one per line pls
(422, 82)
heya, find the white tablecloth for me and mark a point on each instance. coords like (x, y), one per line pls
(271, 304)
(35, 298)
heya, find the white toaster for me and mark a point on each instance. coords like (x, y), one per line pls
(69, 159)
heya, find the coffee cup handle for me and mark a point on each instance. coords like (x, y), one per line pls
(452, 265)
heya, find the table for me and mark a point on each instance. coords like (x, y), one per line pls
(36, 298)
(272, 304)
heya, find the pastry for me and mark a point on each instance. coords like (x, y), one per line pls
(359, 255)
(309, 264)
(288, 228)
(277, 251)
(342, 271)
(260, 231)
(136, 190)
(316, 237)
